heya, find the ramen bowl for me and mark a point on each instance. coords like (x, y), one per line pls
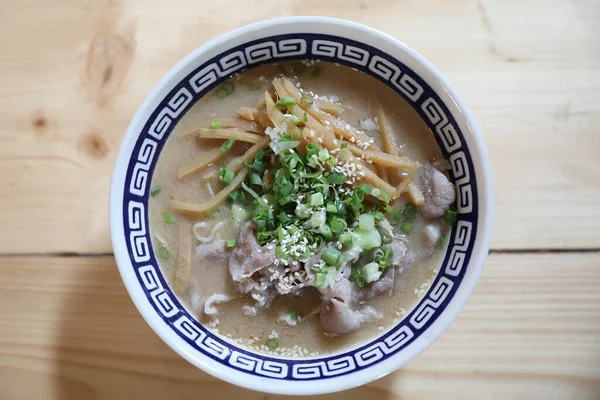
(302, 38)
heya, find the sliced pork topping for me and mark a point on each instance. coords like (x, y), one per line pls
(439, 193)
(337, 318)
(214, 251)
(248, 256)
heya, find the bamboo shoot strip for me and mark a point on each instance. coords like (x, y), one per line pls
(415, 195)
(182, 272)
(227, 122)
(200, 209)
(339, 127)
(238, 162)
(229, 133)
(198, 163)
(330, 107)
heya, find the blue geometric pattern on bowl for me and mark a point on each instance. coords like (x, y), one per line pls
(267, 50)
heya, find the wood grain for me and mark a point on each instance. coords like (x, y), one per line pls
(531, 331)
(72, 74)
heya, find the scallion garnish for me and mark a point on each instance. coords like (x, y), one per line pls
(215, 125)
(163, 252)
(227, 145)
(305, 117)
(407, 227)
(293, 314)
(230, 243)
(253, 88)
(288, 101)
(441, 240)
(168, 218)
(225, 89)
(272, 343)
(320, 279)
(450, 216)
(306, 100)
(316, 70)
(156, 191)
(225, 175)
(332, 256)
(292, 119)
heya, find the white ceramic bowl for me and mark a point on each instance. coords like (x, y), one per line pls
(360, 47)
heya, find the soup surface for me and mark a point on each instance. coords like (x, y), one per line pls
(300, 208)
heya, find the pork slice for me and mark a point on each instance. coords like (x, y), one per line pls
(416, 254)
(431, 235)
(340, 290)
(439, 193)
(337, 318)
(214, 251)
(398, 246)
(248, 256)
(375, 289)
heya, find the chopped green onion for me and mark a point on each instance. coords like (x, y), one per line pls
(450, 216)
(366, 222)
(168, 217)
(320, 279)
(306, 100)
(336, 179)
(279, 105)
(280, 253)
(441, 240)
(255, 179)
(331, 208)
(292, 119)
(259, 156)
(293, 314)
(360, 281)
(227, 145)
(312, 148)
(316, 199)
(344, 154)
(215, 125)
(305, 117)
(272, 343)
(288, 101)
(407, 227)
(156, 191)
(316, 70)
(344, 145)
(365, 188)
(237, 197)
(337, 225)
(163, 252)
(253, 88)
(323, 155)
(378, 215)
(332, 256)
(370, 272)
(386, 239)
(326, 232)
(225, 89)
(410, 212)
(230, 243)
(225, 175)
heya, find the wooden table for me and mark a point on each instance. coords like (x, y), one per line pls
(72, 73)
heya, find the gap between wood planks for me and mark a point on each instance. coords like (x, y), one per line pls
(492, 251)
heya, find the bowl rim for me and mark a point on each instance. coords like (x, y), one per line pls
(485, 218)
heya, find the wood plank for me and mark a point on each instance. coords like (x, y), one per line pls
(530, 331)
(70, 83)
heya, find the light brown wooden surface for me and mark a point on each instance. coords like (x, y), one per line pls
(72, 74)
(531, 331)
